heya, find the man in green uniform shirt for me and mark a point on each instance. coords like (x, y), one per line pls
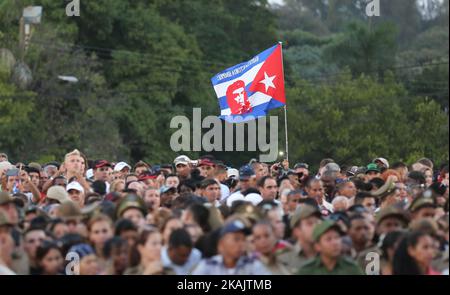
(329, 261)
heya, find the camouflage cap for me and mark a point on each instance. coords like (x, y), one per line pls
(386, 189)
(131, 201)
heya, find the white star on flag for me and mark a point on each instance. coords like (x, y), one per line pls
(268, 81)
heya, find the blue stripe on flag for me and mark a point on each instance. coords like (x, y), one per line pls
(274, 104)
(261, 58)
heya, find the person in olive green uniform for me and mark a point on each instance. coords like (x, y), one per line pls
(302, 223)
(329, 261)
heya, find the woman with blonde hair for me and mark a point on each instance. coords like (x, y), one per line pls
(117, 185)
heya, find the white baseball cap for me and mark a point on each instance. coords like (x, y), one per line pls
(89, 173)
(75, 185)
(382, 160)
(253, 198)
(233, 172)
(234, 197)
(5, 165)
(182, 160)
(119, 166)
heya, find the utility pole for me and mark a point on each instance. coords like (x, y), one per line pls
(31, 16)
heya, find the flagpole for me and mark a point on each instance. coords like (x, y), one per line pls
(285, 109)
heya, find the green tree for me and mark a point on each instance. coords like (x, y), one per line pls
(364, 49)
(356, 120)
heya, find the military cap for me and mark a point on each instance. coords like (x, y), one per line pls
(4, 219)
(304, 211)
(386, 189)
(391, 211)
(425, 200)
(131, 201)
(69, 210)
(6, 198)
(323, 227)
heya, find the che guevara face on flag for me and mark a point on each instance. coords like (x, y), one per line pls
(237, 98)
(250, 89)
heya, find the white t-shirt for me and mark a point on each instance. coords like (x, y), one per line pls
(327, 206)
(5, 271)
(234, 197)
(224, 192)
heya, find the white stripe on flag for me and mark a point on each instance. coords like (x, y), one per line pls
(248, 77)
(256, 99)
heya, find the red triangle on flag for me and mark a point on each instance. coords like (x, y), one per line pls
(270, 78)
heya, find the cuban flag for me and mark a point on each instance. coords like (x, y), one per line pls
(249, 90)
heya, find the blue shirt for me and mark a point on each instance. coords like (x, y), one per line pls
(194, 259)
(246, 265)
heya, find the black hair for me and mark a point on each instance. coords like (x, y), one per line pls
(403, 263)
(201, 215)
(417, 176)
(58, 177)
(359, 198)
(377, 182)
(279, 180)
(39, 222)
(263, 180)
(188, 183)
(44, 248)
(69, 240)
(53, 223)
(357, 209)
(356, 217)
(361, 185)
(311, 181)
(397, 165)
(207, 182)
(207, 244)
(124, 225)
(114, 242)
(108, 208)
(231, 182)
(184, 201)
(389, 241)
(342, 216)
(180, 237)
(196, 177)
(309, 201)
(99, 187)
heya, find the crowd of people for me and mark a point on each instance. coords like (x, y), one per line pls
(202, 217)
